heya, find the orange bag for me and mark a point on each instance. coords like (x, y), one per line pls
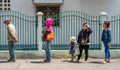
(50, 36)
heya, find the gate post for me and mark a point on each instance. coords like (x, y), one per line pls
(39, 30)
(103, 17)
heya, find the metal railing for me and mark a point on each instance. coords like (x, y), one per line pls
(115, 31)
(69, 23)
(26, 30)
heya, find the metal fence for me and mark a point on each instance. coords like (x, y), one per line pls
(66, 24)
(69, 23)
(115, 29)
(26, 30)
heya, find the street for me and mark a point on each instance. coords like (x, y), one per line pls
(59, 64)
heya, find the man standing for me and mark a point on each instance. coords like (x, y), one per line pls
(12, 38)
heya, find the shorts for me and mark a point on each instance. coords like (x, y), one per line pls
(72, 51)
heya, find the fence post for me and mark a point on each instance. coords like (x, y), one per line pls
(103, 17)
(39, 30)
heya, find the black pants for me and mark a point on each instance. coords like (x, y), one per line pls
(81, 48)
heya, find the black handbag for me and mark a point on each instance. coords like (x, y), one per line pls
(84, 41)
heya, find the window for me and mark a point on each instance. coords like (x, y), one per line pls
(50, 11)
(8, 8)
(8, 0)
(0, 5)
(0, 0)
(5, 0)
(9, 5)
(0, 8)
(5, 8)
(5, 4)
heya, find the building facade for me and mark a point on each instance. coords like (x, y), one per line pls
(30, 7)
(69, 22)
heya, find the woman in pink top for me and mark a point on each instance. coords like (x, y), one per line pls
(47, 43)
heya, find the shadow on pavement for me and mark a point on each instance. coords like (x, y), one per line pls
(96, 62)
(37, 62)
(3, 61)
(70, 61)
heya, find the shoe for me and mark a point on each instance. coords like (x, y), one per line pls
(11, 60)
(46, 61)
(108, 62)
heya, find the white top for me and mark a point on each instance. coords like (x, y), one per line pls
(11, 32)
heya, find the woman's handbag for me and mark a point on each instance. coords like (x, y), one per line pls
(50, 36)
(84, 41)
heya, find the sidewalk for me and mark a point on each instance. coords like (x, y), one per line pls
(60, 64)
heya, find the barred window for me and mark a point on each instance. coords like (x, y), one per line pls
(5, 4)
(50, 11)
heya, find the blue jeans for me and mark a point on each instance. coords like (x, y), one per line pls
(11, 50)
(107, 51)
(47, 45)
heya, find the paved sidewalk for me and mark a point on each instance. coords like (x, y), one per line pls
(60, 64)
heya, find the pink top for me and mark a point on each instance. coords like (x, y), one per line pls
(49, 23)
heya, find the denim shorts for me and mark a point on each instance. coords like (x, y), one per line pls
(72, 50)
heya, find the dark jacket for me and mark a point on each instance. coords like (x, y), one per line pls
(83, 34)
(106, 36)
(45, 33)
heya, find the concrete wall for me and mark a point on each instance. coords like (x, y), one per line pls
(93, 7)
(25, 6)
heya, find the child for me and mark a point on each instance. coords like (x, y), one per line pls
(72, 47)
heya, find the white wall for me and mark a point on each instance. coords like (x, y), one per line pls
(93, 7)
(24, 6)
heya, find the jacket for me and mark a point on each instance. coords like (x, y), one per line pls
(83, 34)
(106, 36)
(11, 31)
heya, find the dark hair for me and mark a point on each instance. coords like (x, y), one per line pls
(107, 23)
(84, 24)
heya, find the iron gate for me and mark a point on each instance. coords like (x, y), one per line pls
(115, 31)
(69, 23)
(26, 30)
